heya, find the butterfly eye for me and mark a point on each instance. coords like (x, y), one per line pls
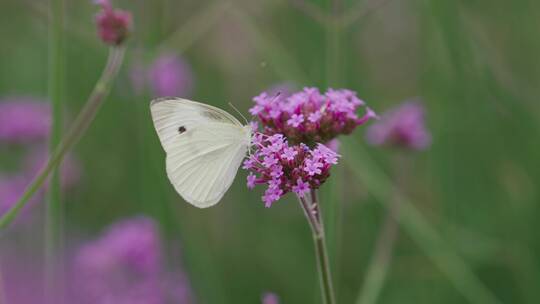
(181, 129)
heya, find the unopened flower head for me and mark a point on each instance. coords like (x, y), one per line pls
(308, 116)
(284, 168)
(114, 25)
(24, 120)
(403, 127)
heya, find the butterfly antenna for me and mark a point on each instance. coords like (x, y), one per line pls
(276, 96)
(240, 113)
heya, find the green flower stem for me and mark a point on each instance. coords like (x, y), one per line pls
(312, 212)
(418, 228)
(79, 127)
(54, 217)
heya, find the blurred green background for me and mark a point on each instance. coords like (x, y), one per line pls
(474, 63)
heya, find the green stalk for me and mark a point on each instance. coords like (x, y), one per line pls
(54, 212)
(418, 228)
(79, 127)
(313, 215)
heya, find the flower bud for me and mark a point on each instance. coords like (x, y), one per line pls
(113, 25)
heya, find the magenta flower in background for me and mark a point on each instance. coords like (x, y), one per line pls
(403, 126)
(170, 75)
(177, 289)
(285, 168)
(334, 145)
(21, 277)
(270, 298)
(308, 116)
(12, 186)
(125, 265)
(27, 121)
(137, 76)
(24, 120)
(70, 170)
(113, 25)
(11, 189)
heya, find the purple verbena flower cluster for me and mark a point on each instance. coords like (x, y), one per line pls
(285, 168)
(122, 266)
(126, 265)
(403, 127)
(308, 116)
(21, 277)
(113, 25)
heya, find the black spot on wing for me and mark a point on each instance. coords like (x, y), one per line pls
(181, 129)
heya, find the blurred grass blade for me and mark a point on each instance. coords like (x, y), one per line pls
(312, 10)
(361, 11)
(197, 25)
(334, 206)
(333, 216)
(79, 127)
(54, 210)
(282, 62)
(382, 256)
(418, 228)
(333, 42)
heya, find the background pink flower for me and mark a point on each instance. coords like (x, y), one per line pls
(403, 126)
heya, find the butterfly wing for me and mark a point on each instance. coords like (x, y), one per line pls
(204, 145)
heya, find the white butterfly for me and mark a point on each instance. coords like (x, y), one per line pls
(204, 145)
